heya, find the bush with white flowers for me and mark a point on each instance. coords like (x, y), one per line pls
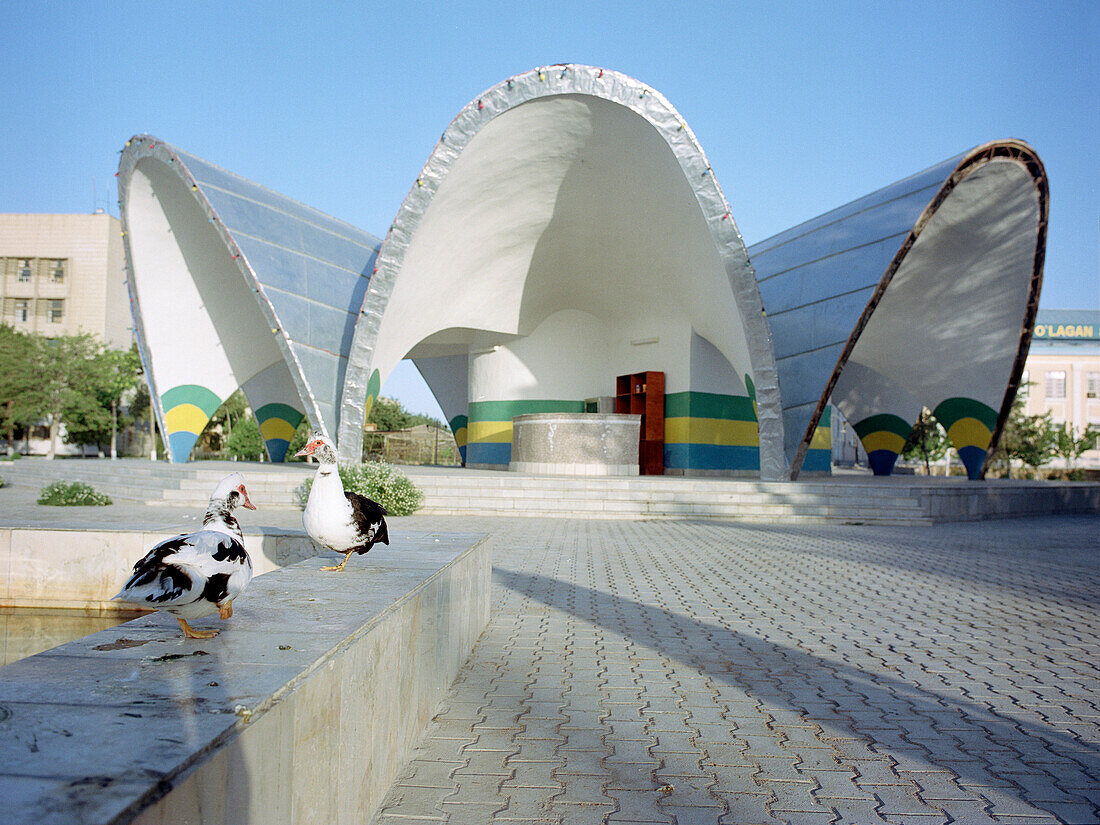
(72, 494)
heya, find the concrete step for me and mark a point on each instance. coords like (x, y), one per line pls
(913, 501)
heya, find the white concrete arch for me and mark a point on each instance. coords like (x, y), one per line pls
(234, 285)
(950, 322)
(568, 196)
(200, 327)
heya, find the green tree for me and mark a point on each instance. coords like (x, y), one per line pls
(91, 415)
(1069, 444)
(927, 441)
(65, 373)
(17, 380)
(232, 411)
(123, 374)
(1028, 439)
(389, 414)
(245, 442)
(301, 436)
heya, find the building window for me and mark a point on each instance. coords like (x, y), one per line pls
(22, 310)
(1093, 388)
(24, 270)
(57, 271)
(55, 311)
(1056, 384)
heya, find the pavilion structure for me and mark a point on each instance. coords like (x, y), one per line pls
(566, 230)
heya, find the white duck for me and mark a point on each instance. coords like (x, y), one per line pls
(335, 518)
(199, 573)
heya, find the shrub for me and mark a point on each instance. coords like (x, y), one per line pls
(71, 494)
(379, 482)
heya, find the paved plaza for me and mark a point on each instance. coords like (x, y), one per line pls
(706, 672)
(678, 672)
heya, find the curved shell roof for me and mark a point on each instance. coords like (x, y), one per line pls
(563, 188)
(911, 295)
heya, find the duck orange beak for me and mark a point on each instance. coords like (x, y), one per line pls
(306, 450)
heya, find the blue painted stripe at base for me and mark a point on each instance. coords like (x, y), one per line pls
(818, 461)
(882, 461)
(972, 459)
(180, 445)
(711, 457)
(276, 449)
(489, 452)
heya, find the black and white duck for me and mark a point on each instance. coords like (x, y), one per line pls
(199, 573)
(334, 517)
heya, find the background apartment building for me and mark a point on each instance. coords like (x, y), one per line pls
(1062, 372)
(63, 274)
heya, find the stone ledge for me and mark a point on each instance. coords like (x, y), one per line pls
(82, 569)
(302, 710)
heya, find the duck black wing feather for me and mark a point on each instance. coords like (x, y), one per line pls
(178, 569)
(369, 518)
(161, 581)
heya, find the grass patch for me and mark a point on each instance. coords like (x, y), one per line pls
(379, 482)
(72, 494)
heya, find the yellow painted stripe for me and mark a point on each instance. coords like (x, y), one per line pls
(185, 418)
(969, 432)
(717, 431)
(823, 439)
(883, 440)
(276, 428)
(491, 432)
(460, 436)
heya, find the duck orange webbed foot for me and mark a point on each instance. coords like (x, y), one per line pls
(191, 633)
(338, 567)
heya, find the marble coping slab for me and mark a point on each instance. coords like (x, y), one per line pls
(302, 710)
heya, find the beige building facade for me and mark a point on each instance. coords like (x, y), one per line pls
(64, 275)
(1062, 372)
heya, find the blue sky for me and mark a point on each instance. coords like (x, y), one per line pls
(800, 107)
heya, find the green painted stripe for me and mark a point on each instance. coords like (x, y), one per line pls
(374, 384)
(201, 397)
(883, 422)
(507, 410)
(458, 422)
(709, 405)
(282, 411)
(950, 410)
(826, 419)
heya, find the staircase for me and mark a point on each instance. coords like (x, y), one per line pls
(845, 499)
(509, 494)
(183, 485)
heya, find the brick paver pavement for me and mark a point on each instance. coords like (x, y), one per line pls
(677, 672)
